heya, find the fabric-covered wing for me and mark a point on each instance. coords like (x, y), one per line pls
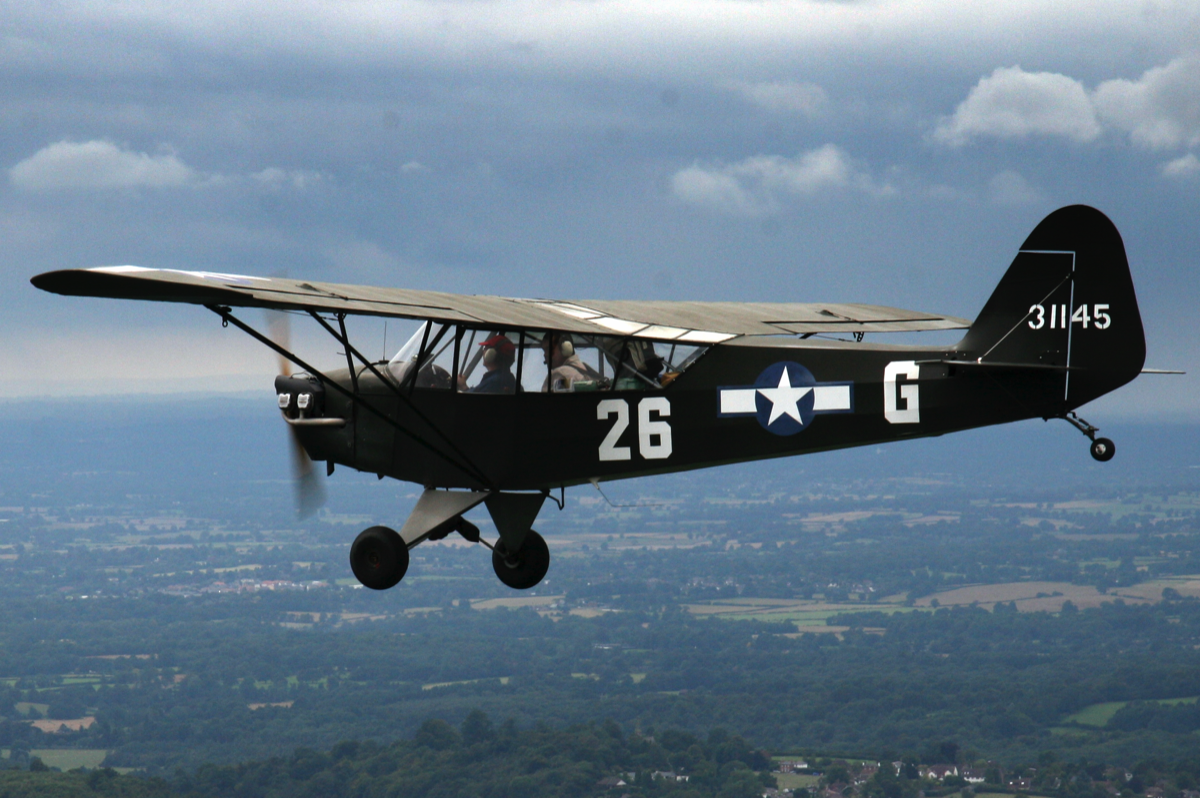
(692, 322)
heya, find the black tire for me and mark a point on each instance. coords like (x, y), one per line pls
(1103, 449)
(527, 566)
(379, 557)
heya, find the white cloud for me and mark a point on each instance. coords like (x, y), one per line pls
(275, 178)
(760, 184)
(98, 164)
(790, 97)
(1159, 110)
(1009, 188)
(413, 166)
(1013, 103)
(1182, 168)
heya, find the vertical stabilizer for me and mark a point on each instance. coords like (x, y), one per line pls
(1066, 303)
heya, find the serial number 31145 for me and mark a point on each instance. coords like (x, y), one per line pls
(1057, 317)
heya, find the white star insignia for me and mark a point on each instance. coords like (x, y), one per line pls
(783, 399)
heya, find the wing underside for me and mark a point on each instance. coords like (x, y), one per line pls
(693, 322)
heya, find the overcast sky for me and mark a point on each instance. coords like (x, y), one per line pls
(886, 152)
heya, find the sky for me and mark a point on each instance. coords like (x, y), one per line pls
(892, 153)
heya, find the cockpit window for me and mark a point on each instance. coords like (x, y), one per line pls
(475, 360)
(565, 362)
(570, 362)
(486, 362)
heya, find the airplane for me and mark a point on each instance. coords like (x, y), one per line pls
(505, 401)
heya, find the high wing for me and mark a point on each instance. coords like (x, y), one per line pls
(692, 322)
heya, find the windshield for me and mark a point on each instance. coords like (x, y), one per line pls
(409, 351)
(438, 362)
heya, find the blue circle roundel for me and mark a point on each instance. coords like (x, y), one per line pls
(784, 398)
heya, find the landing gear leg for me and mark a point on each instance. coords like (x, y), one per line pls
(1102, 449)
(520, 557)
(521, 569)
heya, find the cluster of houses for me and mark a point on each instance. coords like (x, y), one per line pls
(1115, 781)
(625, 779)
(853, 776)
(242, 586)
(861, 773)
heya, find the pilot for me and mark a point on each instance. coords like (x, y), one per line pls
(564, 365)
(498, 356)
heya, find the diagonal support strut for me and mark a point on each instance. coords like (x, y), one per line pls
(227, 317)
(345, 342)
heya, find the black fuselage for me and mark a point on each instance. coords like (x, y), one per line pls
(535, 440)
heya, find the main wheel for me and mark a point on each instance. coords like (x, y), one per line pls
(524, 568)
(379, 557)
(1103, 449)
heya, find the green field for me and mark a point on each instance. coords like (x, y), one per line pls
(1098, 715)
(795, 781)
(70, 758)
(81, 680)
(436, 685)
(795, 613)
(66, 758)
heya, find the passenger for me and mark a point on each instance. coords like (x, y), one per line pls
(498, 358)
(564, 365)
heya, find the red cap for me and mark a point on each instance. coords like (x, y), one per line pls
(502, 344)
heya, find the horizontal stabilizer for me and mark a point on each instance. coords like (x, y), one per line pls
(993, 364)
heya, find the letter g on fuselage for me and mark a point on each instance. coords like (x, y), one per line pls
(908, 392)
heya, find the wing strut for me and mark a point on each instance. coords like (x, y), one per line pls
(227, 317)
(344, 340)
(341, 317)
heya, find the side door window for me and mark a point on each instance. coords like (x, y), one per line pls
(487, 361)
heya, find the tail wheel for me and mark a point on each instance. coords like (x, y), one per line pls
(1103, 449)
(525, 567)
(379, 557)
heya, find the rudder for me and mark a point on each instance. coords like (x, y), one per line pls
(1066, 303)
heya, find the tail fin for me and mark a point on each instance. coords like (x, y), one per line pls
(1067, 303)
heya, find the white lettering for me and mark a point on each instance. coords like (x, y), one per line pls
(911, 413)
(654, 434)
(608, 447)
(648, 430)
(1099, 317)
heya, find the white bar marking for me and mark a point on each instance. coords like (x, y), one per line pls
(738, 400)
(831, 397)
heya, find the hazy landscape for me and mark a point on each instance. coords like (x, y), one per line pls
(166, 611)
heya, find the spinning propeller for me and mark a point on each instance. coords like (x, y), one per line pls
(310, 490)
